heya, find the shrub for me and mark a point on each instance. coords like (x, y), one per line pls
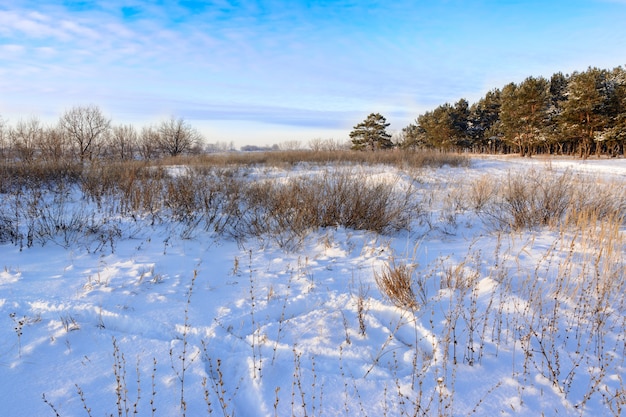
(395, 281)
(287, 210)
(530, 199)
(544, 198)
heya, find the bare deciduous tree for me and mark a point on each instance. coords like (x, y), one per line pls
(219, 146)
(123, 142)
(86, 127)
(290, 145)
(26, 137)
(330, 144)
(53, 146)
(4, 145)
(148, 143)
(176, 136)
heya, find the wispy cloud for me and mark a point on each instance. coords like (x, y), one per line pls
(17, 23)
(12, 49)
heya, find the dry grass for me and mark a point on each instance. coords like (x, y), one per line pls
(395, 281)
(285, 211)
(481, 192)
(398, 158)
(211, 191)
(532, 199)
(18, 175)
(222, 199)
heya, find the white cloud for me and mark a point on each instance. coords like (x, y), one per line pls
(12, 49)
(71, 27)
(119, 30)
(46, 51)
(19, 24)
(38, 16)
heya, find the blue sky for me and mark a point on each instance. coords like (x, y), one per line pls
(261, 72)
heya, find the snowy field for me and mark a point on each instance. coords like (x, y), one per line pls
(166, 321)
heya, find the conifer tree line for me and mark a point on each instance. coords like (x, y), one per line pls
(583, 113)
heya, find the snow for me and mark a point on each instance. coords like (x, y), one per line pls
(261, 330)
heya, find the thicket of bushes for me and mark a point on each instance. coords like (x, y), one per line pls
(62, 202)
(44, 201)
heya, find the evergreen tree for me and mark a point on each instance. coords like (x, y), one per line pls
(459, 120)
(484, 115)
(558, 95)
(612, 88)
(582, 114)
(558, 90)
(438, 127)
(426, 123)
(583, 111)
(447, 126)
(618, 129)
(371, 134)
(524, 114)
(412, 137)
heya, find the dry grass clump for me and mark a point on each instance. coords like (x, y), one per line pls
(213, 199)
(106, 178)
(395, 281)
(481, 192)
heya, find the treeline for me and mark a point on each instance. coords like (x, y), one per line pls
(583, 113)
(84, 133)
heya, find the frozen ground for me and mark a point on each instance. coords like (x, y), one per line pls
(167, 326)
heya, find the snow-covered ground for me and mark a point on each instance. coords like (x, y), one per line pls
(170, 326)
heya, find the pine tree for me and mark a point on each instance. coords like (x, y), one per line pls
(615, 134)
(524, 113)
(558, 95)
(412, 137)
(582, 115)
(438, 127)
(482, 121)
(446, 127)
(459, 122)
(371, 134)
